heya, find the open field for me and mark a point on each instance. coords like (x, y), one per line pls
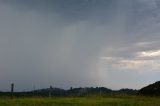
(81, 101)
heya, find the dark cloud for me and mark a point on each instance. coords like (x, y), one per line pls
(78, 43)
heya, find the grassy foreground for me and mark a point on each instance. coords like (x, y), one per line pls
(82, 101)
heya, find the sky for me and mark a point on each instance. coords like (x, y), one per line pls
(79, 43)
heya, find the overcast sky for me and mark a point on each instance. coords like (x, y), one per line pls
(79, 43)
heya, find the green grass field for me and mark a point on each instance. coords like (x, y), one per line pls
(81, 101)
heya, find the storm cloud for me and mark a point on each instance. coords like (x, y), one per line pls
(66, 43)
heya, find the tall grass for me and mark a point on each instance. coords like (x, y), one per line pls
(81, 101)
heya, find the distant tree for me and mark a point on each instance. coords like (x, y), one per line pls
(151, 90)
(71, 88)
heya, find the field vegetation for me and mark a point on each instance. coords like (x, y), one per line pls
(81, 101)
